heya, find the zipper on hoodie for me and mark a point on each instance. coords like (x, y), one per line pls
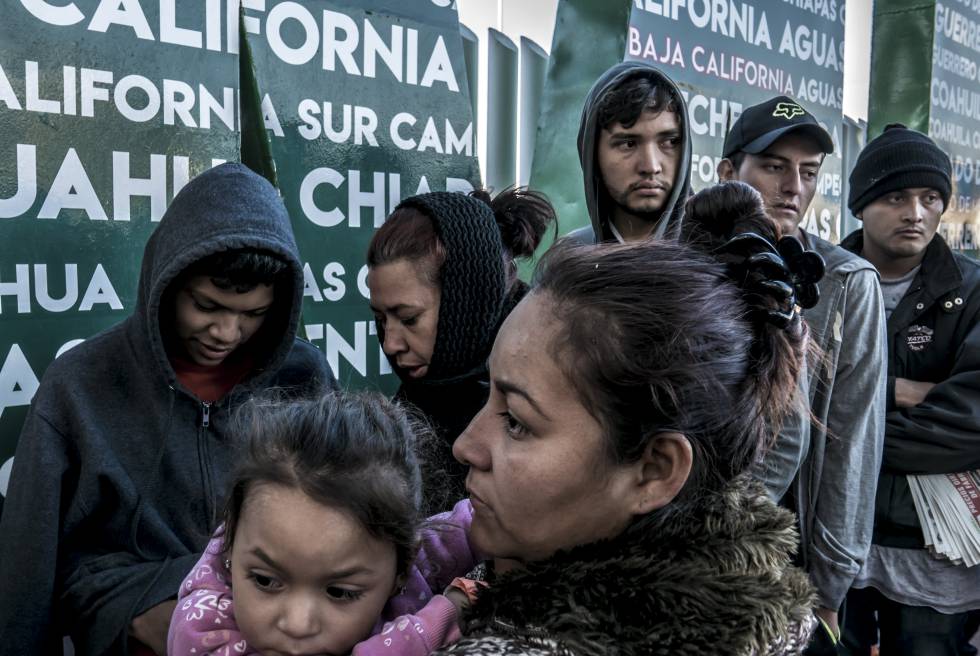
(205, 414)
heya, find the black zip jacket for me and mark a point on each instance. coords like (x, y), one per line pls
(934, 336)
(119, 471)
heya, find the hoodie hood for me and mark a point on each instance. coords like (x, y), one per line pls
(226, 208)
(596, 198)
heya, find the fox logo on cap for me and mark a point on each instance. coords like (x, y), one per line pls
(788, 110)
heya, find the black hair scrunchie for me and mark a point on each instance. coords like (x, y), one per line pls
(787, 274)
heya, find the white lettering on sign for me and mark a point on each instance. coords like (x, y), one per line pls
(381, 197)
(72, 189)
(18, 382)
(98, 291)
(359, 48)
(135, 97)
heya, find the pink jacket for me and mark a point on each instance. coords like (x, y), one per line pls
(415, 622)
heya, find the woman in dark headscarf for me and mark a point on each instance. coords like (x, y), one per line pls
(443, 277)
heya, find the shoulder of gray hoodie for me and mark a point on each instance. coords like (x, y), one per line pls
(669, 224)
(117, 481)
(834, 475)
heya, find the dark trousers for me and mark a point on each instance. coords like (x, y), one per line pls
(899, 630)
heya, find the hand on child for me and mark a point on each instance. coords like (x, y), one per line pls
(463, 593)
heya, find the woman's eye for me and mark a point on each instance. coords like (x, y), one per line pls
(264, 583)
(513, 427)
(410, 321)
(343, 594)
(203, 308)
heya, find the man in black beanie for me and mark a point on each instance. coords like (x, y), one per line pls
(826, 457)
(908, 600)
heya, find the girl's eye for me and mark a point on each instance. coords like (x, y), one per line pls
(203, 308)
(343, 594)
(264, 583)
(256, 313)
(513, 427)
(410, 321)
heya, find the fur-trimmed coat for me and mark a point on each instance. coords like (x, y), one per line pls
(720, 584)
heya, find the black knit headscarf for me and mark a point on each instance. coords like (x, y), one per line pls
(472, 281)
(898, 158)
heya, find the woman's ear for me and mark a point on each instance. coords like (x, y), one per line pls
(662, 471)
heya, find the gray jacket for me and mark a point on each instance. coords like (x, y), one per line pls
(834, 488)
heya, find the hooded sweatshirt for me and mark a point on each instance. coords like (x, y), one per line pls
(597, 199)
(120, 469)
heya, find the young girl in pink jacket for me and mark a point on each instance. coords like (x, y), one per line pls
(323, 549)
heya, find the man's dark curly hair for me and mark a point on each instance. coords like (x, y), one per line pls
(625, 102)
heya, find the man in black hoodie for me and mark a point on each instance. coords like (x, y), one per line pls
(635, 148)
(123, 457)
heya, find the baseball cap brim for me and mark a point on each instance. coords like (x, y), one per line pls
(821, 136)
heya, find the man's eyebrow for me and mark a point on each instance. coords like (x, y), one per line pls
(507, 387)
(816, 161)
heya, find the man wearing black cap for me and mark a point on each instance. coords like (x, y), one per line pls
(826, 467)
(899, 188)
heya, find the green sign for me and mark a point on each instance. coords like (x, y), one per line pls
(108, 110)
(925, 73)
(363, 103)
(728, 55)
(572, 68)
(110, 107)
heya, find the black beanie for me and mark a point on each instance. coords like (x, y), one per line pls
(898, 158)
(473, 281)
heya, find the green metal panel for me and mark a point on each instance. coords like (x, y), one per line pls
(901, 64)
(471, 60)
(501, 111)
(534, 68)
(925, 73)
(92, 103)
(363, 103)
(589, 37)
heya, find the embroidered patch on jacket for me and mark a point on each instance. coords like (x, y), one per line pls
(919, 337)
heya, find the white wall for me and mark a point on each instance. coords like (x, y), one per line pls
(534, 19)
(857, 58)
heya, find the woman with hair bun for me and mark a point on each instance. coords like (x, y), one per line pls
(443, 277)
(631, 391)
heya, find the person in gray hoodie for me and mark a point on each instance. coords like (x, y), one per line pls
(116, 477)
(634, 144)
(825, 460)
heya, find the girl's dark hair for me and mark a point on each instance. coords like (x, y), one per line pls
(356, 452)
(522, 215)
(654, 336)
